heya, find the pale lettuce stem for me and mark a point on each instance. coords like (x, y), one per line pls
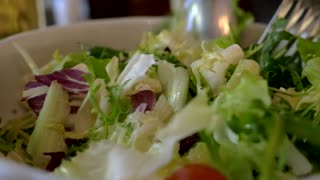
(271, 150)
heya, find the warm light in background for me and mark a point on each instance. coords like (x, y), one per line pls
(223, 23)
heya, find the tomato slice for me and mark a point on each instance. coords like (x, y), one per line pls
(196, 172)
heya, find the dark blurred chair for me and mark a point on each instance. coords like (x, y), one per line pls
(261, 9)
(119, 8)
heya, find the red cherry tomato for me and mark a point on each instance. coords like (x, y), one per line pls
(196, 172)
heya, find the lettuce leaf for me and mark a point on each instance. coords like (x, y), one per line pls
(212, 67)
(308, 49)
(311, 71)
(175, 81)
(100, 52)
(136, 69)
(51, 123)
(112, 161)
(175, 46)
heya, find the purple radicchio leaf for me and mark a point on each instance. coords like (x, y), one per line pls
(36, 103)
(143, 101)
(71, 80)
(187, 143)
(35, 93)
(55, 161)
(33, 84)
(33, 89)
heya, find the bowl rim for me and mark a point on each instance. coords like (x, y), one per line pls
(89, 22)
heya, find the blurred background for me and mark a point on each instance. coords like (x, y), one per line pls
(23, 15)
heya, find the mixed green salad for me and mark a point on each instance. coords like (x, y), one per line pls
(174, 108)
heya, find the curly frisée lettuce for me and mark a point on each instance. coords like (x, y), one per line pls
(119, 162)
(171, 104)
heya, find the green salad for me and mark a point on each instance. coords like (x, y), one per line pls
(174, 108)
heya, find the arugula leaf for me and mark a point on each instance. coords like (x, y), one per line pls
(252, 50)
(97, 68)
(100, 52)
(72, 59)
(280, 69)
(96, 58)
(163, 55)
(302, 129)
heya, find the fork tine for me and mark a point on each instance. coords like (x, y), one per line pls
(315, 29)
(284, 8)
(281, 12)
(309, 25)
(306, 21)
(303, 18)
(296, 14)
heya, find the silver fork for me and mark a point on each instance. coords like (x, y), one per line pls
(303, 18)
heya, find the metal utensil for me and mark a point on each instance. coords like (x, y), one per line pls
(206, 18)
(303, 18)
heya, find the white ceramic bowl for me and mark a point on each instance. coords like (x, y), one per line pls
(121, 33)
